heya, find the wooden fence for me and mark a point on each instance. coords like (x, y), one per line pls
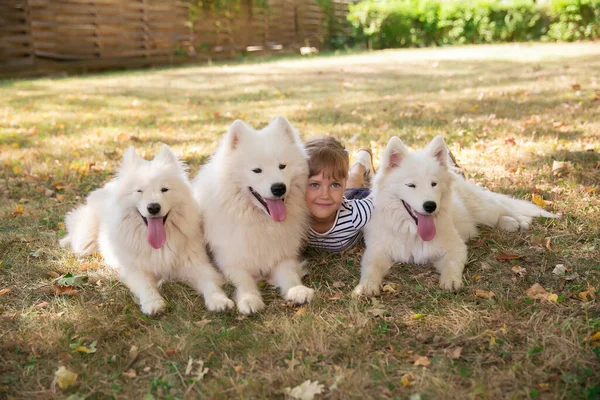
(123, 33)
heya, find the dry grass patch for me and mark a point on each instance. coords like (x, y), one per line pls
(509, 112)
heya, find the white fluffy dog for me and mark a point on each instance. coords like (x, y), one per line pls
(424, 213)
(146, 223)
(255, 216)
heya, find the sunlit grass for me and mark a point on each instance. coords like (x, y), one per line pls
(507, 112)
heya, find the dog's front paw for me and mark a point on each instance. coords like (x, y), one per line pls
(299, 294)
(366, 288)
(250, 303)
(153, 306)
(508, 224)
(451, 282)
(218, 302)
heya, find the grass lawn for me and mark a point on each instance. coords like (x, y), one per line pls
(509, 112)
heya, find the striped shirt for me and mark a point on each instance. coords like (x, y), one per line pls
(346, 231)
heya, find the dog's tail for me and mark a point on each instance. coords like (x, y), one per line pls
(495, 209)
(83, 224)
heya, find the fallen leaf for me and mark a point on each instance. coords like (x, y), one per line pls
(64, 377)
(292, 363)
(171, 352)
(417, 317)
(538, 200)
(305, 391)
(507, 257)
(576, 86)
(587, 296)
(19, 211)
(4, 291)
(595, 337)
(483, 294)
(338, 284)
(538, 292)
(41, 305)
(202, 323)
(64, 290)
(130, 373)
(518, 270)
(301, 311)
(422, 361)
(77, 348)
(89, 265)
(70, 280)
(407, 380)
(557, 124)
(336, 296)
(454, 352)
(559, 270)
(560, 167)
(389, 288)
(238, 368)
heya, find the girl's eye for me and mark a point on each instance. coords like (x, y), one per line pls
(257, 170)
(139, 190)
(411, 185)
(433, 183)
(164, 190)
(281, 166)
(314, 185)
(336, 185)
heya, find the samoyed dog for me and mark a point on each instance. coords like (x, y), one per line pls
(146, 223)
(255, 216)
(425, 212)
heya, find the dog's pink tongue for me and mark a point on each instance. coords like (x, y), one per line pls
(156, 232)
(425, 227)
(276, 209)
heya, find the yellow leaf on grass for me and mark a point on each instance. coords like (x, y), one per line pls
(16, 170)
(553, 297)
(19, 209)
(64, 377)
(595, 337)
(483, 294)
(586, 296)
(417, 317)
(4, 291)
(538, 200)
(407, 380)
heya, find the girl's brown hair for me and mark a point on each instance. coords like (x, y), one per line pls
(327, 154)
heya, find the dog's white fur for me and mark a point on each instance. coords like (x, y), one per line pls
(111, 223)
(391, 235)
(246, 242)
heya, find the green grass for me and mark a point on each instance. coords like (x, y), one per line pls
(507, 112)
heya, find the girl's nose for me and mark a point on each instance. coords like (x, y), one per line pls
(324, 191)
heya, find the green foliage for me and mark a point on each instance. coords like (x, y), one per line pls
(406, 23)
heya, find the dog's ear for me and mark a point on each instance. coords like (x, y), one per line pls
(437, 148)
(281, 123)
(129, 158)
(167, 155)
(393, 154)
(236, 131)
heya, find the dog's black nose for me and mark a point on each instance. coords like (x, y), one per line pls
(153, 208)
(429, 206)
(278, 189)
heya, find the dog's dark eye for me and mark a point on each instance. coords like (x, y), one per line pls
(164, 190)
(433, 183)
(411, 185)
(281, 166)
(257, 170)
(139, 190)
